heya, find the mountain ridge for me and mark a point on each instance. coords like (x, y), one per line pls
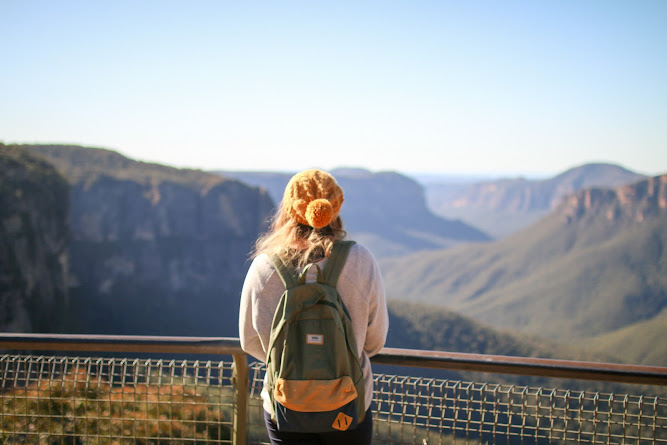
(595, 264)
(503, 206)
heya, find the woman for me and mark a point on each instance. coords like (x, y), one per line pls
(303, 231)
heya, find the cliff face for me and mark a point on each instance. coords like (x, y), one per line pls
(110, 209)
(519, 194)
(155, 250)
(34, 206)
(504, 206)
(628, 204)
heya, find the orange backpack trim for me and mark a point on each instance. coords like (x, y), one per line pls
(315, 395)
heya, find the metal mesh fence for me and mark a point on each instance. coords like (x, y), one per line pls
(77, 400)
(415, 410)
(419, 410)
(82, 400)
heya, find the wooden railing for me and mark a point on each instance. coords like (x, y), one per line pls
(241, 382)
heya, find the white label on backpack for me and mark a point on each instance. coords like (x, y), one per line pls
(315, 339)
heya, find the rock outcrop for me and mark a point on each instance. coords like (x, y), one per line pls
(628, 204)
(34, 206)
(153, 249)
(521, 194)
(504, 206)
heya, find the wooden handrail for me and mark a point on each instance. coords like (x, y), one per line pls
(609, 372)
(652, 375)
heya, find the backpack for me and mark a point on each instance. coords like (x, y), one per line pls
(314, 376)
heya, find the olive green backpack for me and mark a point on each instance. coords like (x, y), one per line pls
(314, 374)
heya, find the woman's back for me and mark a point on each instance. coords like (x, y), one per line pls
(306, 226)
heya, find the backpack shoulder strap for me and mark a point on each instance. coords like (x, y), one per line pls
(336, 261)
(285, 273)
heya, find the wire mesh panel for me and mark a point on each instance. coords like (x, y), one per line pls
(427, 411)
(257, 434)
(418, 410)
(76, 400)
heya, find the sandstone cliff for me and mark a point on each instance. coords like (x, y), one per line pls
(504, 206)
(525, 195)
(34, 206)
(154, 249)
(631, 203)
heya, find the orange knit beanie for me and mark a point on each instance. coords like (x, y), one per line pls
(313, 197)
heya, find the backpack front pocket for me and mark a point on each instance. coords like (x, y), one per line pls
(316, 406)
(315, 395)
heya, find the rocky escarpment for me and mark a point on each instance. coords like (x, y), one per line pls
(388, 212)
(525, 195)
(155, 250)
(631, 203)
(34, 206)
(504, 206)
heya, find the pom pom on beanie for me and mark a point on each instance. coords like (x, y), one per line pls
(313, 198)
(319, 213)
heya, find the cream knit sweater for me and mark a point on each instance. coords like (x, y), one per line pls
(359, 285)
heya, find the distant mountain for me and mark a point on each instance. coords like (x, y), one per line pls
(153, 249)
(34, 204)
(594, 265)
(503, 206)
(273, 182)
(386, 211)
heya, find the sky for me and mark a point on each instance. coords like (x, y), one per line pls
(453, 87)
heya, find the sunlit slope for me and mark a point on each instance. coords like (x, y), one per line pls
(429, 327)
(594, 265)
(642, 342)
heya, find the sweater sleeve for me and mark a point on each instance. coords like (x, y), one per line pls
(250, 340)
(378, 317)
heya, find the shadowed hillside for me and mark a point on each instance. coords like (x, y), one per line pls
(34, 205)
(154, 249)
(594, 265)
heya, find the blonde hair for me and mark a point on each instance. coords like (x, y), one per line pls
(296, 243)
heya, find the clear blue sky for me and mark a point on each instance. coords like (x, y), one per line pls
(416, 86)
